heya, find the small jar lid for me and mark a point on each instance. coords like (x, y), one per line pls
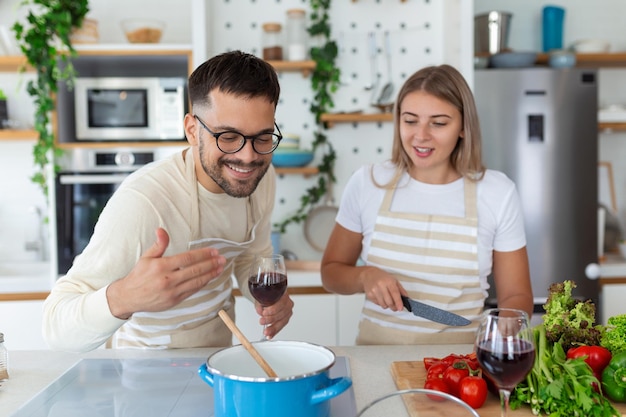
(272, 27)
(300, 12)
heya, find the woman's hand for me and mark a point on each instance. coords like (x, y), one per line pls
(382, 288)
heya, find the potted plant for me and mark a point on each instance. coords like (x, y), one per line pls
(324, 82)
(45, 42)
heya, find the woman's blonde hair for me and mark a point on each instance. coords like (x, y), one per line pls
(446, 83)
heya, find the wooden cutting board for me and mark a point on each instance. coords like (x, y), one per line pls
(411, 374)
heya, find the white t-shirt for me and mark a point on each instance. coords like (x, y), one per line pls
(500, 218)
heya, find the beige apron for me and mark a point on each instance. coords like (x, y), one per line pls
(194, 322)
(436, 260)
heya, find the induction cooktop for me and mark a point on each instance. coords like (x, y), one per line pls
(161, 387)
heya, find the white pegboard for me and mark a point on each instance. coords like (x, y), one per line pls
(416, 39)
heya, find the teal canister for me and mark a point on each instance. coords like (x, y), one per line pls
(552, 25)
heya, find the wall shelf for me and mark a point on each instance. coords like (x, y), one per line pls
(18, 134)
(604, 60)
(305, 171)
(12, 63)
(331, 118)
(612, 126)
(306, 67)
(121, 144)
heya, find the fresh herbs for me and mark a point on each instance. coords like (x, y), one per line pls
(568, 321)
(325, 82)
(614, 336)
(557, 386)
(50, 25)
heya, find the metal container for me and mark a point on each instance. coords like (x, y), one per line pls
(303, 387)
(491, 32)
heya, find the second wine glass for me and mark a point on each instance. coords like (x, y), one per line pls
(268, 280)
(505, 349)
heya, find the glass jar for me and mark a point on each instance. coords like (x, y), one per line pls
(4, 359)
(296, 44)
(271, 40)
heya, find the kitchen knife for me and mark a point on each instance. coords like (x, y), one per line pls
(433, 313)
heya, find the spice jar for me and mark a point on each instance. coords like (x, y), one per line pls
(296, 44)
(271, 40)
(4, 359)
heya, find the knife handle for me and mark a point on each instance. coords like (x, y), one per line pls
(405, 302)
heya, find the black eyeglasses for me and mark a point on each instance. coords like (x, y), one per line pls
(232, 141)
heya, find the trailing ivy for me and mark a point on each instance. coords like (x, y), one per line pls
(45, 42)
(324, 82)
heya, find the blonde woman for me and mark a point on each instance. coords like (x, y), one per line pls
(431, 223)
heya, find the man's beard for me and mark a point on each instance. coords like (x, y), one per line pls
(237, 189)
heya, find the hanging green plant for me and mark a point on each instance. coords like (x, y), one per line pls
(46, 44)
(324, 82)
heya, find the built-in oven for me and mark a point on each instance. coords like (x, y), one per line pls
(86, 181)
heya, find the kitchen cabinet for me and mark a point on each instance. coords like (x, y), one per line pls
(324, 319)
(21, 322)
(318, 316)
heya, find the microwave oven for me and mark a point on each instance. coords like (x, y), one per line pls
(130, 108)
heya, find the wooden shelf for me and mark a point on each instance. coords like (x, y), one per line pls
(293, 66)
(604, 60)
(615, 126)
(306, 171)
(331, 118)
(10, 63)
(18, 134)
(121, 144)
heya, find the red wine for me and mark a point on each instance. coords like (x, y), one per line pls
(506, 368)
(268, 288)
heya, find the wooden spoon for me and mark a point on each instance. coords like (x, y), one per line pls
(246, 343)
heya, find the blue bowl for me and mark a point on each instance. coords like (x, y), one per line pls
(291, 158)
(513, 59)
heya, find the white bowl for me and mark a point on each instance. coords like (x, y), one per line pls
(590, 46)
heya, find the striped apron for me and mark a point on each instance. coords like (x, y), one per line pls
(435, 258)
(194, 322)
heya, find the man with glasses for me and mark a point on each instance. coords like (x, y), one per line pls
(210, 206)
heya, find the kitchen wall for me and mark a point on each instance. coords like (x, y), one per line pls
(419, 36)
(598, 19)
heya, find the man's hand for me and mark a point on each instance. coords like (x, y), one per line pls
(157, 283)
(275, 316)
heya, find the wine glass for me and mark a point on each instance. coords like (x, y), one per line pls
(268, 280)
(505, 349)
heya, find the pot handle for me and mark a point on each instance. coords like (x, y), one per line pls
(336, 387)
(205, 374)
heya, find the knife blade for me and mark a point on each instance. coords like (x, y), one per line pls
(433, 313)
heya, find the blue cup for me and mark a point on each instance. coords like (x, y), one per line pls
(553, 28)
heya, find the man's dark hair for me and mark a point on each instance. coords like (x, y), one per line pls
(235, 73)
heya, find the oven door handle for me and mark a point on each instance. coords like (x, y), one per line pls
(92, 179)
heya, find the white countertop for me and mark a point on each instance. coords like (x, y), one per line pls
(32, 371)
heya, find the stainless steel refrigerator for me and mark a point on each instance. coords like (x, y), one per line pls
(540, 127)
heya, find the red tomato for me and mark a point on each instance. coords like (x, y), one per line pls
(452, 358)
(428, 362)
(473, 390)
(453, 376)
(436, 371)
(436, 385)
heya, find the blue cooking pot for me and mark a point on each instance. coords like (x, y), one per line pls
(302, 388)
